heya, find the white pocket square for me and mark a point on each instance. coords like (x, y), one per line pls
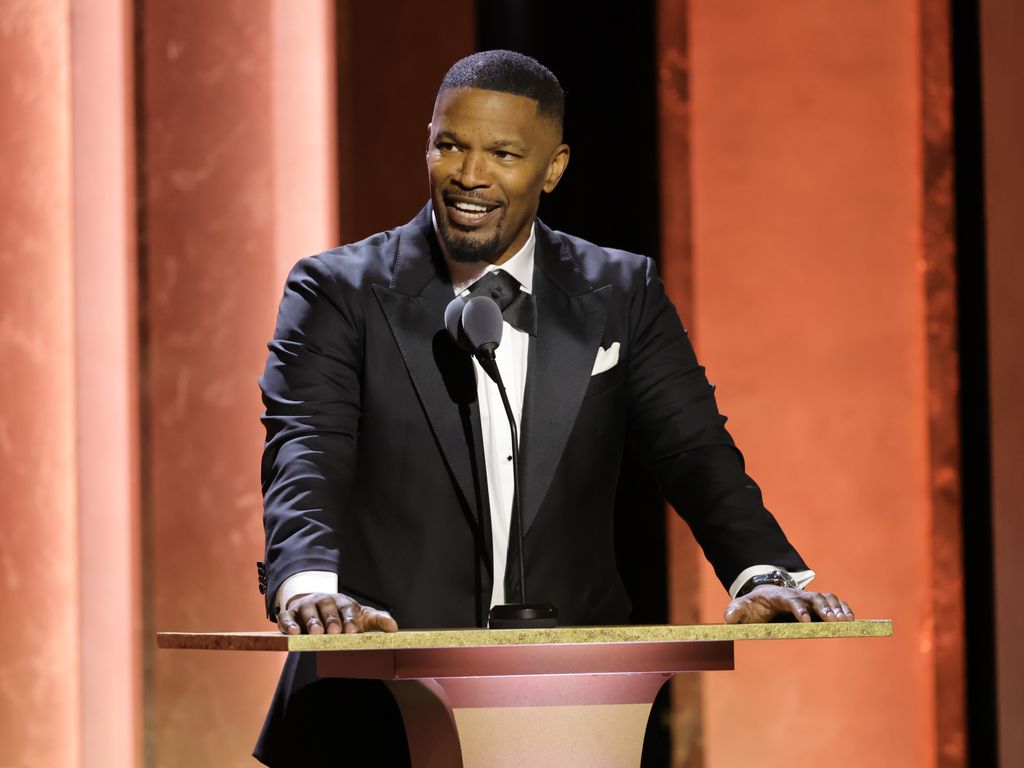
(606, 359)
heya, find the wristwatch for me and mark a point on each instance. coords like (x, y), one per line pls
(778, 578)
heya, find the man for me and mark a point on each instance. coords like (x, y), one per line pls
(386, 474)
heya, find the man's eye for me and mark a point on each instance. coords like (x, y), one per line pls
(503, 155)
(446, 146)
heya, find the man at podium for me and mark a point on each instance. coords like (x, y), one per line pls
(388, 477)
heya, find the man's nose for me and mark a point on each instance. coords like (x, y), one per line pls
(472, 172)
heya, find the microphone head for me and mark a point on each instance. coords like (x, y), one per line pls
(453, 322)
(482, 323)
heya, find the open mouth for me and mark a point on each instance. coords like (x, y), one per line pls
(466, 214)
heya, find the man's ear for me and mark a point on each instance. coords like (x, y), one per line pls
(430, 130)
(559, 162)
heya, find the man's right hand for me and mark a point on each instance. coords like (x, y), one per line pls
(332, 613)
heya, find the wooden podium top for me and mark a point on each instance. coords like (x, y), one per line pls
(482, 638)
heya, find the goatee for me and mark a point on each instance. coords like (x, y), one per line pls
(467, 250)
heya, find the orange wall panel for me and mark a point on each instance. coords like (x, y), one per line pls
(39, 660)
(218, 211)
(107, 383)
(809, 306)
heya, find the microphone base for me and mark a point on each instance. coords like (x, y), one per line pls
(523, 616)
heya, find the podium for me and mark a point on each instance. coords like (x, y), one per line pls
(565, 696)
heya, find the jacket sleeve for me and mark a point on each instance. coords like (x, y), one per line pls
(676, 430)
(311, 390)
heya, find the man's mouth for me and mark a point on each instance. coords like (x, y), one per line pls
(463, 213)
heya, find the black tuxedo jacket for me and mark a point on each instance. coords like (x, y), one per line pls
(374, 464)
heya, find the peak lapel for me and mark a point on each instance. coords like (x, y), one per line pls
(571, 317)
(442, 374)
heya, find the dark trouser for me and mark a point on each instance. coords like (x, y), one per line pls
(331, 722)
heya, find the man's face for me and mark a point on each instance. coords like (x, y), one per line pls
(489, 157)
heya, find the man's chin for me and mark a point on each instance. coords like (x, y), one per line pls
(464, 248)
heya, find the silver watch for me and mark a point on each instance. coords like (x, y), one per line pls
(778, 578)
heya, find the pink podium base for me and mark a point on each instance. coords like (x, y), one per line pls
(540, 705)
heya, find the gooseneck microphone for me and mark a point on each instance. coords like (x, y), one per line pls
(476, 325)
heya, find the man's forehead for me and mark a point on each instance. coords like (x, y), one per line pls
(487, 105)
(501, 116)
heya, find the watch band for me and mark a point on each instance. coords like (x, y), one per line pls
(776, 577)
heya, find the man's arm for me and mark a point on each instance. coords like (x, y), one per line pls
(677, 431)
(311, 390)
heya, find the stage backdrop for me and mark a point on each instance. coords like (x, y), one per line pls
(166, 163)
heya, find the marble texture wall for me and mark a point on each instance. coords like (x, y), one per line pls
(237, 175)
(806, 233)
(814, 221)
(39, 658)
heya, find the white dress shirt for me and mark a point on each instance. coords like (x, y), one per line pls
(512, 356)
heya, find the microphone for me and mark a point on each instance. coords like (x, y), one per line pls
(482, 326)
(476, 325)
(453, 322)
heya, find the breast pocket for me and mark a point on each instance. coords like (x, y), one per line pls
(605, 382)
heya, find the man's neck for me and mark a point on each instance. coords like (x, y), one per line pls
(462, 272)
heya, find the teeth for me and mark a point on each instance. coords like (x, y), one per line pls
(471, 208)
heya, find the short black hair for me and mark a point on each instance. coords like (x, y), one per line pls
(509, 72)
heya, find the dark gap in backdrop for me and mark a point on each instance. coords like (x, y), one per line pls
(604, 56)
(979, 611)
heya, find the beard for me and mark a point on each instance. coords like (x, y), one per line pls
(463, 248)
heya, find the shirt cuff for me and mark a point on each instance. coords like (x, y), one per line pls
(304, 583)
(802, 578)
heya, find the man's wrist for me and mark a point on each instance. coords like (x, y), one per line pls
(802, 578)
(305, 583)
(776, 578)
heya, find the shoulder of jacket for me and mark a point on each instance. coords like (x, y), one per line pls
(355, 266)
(601, 265)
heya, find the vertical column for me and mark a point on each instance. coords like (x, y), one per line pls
(305, 103)
(938, 245)
(107, 382)
(677, 272)
(216, 134)
(811, 306)
(39, 662)
(1002, 62)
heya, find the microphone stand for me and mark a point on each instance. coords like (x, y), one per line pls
(522, 615)
(476, 325)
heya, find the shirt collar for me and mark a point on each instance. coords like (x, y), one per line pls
(520, 266)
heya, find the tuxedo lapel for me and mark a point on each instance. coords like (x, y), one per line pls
(570, 323)
(442, 374)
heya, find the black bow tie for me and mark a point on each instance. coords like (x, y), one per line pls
(518, 307)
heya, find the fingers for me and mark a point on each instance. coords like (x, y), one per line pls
(369, 620)
(380, 621)
(768, 603)
(327, 607)
(309, 617)
(847, 611)
(332, 614)
(350, 616)
(797, 605)
(830, 608)
(286, 623)
(736, 612)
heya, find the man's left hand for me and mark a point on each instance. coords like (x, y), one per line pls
(766, 603)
